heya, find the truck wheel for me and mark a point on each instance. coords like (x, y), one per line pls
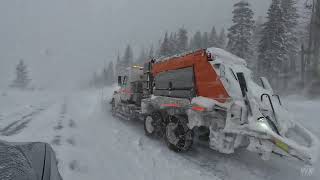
(113, 107)
(178, 136)
(151, 123)
(149, 128)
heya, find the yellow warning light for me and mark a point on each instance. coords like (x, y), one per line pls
(135, 66)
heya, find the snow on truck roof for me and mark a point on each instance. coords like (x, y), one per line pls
(226, 57)
(219, 55)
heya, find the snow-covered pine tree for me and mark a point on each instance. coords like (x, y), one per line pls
(196, 42)
(110, 79)
(316, 41)
(118, 65)
(143, 57)
(105, 77)
(318, 73)
(205, 40)
(157, 53)
(213, 38)
(240, 33)
(151, 53)
(173, 44)
(313, 44)
(93, 81)
(190, 45)
(291, 16)
(182, 40)
(22, 78)
(127, 57)
(222, 39)
(165, 46)
(257, 32)
(272, 47)
(256, 37)
(176, 46)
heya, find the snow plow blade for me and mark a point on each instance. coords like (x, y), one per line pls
(298, 143)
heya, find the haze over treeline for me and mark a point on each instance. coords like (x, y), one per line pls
(64, 41)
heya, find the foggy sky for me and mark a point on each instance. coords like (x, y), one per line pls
(65, 41)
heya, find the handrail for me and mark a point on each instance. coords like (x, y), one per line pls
(274, 113)
(278, 97)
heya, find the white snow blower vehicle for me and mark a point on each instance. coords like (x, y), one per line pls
(210, 95)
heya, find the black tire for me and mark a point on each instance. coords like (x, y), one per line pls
(113, 107)
(178, 136)
(149, 132)
(151, 124)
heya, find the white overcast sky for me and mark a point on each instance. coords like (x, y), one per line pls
(64, 41)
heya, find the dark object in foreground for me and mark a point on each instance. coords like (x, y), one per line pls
(28, 161)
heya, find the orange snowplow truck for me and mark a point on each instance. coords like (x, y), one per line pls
(210, 95)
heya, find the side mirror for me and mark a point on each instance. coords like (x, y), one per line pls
(119, 80)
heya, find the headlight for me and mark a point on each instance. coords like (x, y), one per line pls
(263, 125)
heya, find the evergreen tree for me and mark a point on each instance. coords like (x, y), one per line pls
(22, 78)
(173, 44)
(118, 65)
(318, 73)
(165, 46)
(196, 42)
(272, 48)
(256, 37)
(151, 53)
(205, 40)
(257, 32)
(191, 44)
(313, 45)
(240, 33)
(222, 39)
(290, 16)
(213, 38)
(105, 77)
(128, 57)
(143, 57)
(158, 49)
(110, 79)
(182, 40)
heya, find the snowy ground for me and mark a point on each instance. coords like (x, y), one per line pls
(90, 144)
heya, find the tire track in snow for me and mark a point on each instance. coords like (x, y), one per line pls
(63, 139)
(17, 126)
(59, 127)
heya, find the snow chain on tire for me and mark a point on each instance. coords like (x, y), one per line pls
(178, 136)
(154, 123)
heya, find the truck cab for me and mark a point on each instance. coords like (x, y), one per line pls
(130, 85)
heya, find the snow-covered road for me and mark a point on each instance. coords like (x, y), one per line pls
(91, 144)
